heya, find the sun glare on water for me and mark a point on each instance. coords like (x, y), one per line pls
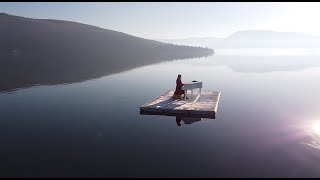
(316, 127)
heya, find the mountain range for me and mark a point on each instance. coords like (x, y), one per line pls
(253, 39)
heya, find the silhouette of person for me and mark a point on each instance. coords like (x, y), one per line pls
(178, 120)
(178, 92)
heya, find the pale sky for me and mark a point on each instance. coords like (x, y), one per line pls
(168, 20)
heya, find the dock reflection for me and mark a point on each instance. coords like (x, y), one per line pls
(180, 119)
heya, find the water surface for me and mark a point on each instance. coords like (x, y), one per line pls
(267, 123)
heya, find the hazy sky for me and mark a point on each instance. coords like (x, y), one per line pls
(180, 19)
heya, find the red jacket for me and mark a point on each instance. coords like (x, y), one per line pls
(179, 85)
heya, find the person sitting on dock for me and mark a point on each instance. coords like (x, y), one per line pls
(177, 94)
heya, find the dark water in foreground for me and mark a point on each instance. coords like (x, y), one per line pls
(268, 122)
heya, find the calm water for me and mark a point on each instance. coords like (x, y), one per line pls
(268, 122)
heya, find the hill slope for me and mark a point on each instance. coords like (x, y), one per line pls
(41, 51)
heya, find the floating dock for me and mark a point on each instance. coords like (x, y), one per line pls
(204, 105)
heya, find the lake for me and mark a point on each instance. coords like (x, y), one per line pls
(267, 124)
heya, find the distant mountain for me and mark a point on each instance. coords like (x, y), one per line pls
(254, 39)
(195, 41)
(259, 35)
(44, 51)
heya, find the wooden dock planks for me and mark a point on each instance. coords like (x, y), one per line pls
(204, 105)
